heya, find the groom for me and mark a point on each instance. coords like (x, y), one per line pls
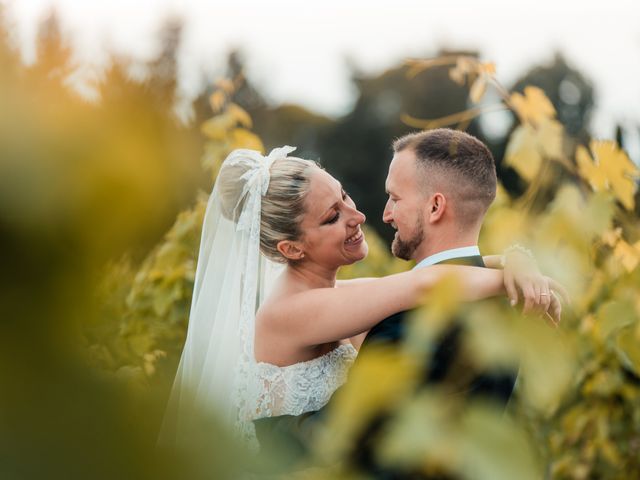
(440, 185)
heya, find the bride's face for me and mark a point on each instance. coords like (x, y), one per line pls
(331, 234)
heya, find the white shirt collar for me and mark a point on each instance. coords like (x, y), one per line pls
(449, 254)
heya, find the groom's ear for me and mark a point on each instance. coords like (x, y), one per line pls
(290, 250)
(436, 207)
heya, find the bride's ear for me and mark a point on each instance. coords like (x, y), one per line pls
(290, 250)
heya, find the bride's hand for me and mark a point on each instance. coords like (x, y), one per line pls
(521, 274)
(552, 316)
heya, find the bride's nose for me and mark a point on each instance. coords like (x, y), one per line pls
(357, 218)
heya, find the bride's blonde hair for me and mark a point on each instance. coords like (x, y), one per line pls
(282, 207)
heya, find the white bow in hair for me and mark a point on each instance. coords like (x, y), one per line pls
(258, 176)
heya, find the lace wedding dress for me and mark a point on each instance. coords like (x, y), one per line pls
(302, 387)
(269, 390)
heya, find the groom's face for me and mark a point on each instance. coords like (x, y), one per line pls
(405, 205)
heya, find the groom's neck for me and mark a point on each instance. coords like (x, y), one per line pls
(445, 242)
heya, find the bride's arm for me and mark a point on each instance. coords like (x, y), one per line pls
(324, 315)
(353, 281)
(492, 261)
(356, 340)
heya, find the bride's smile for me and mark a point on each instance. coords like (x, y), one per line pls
(355, 239)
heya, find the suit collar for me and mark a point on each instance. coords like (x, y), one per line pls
(445, 255)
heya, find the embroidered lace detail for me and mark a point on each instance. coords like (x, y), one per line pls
(302, 387)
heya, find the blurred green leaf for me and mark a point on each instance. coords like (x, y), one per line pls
(614, 315)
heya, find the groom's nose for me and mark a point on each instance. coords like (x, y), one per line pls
(387, 217)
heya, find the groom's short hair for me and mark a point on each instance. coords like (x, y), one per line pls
(458, 163)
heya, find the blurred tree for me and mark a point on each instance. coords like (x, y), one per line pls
(296, 126)
(570, 92)
(281, 125)
(148, 103)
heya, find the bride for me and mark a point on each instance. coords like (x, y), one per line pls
(271, 331)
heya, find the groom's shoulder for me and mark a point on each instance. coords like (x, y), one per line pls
(389, 330)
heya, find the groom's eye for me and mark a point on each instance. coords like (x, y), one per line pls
(344, 194)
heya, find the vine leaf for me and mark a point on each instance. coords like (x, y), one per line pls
(529, 145)
(608, 168)
(478, 89)
(532, 107)
(628, 255)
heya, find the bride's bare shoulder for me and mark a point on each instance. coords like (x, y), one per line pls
(266, 313)
(271, 311)
(275, 313)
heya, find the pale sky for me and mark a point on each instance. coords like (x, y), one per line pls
(296, 51)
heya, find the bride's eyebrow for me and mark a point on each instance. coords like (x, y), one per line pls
(328, 210)
(334, 204)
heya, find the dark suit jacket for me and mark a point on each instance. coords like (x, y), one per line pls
(497, 386)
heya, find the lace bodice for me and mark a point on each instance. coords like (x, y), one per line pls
(302, 387)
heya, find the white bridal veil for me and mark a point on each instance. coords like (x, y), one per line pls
(232, 278)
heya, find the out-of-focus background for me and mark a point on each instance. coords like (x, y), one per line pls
(114, 117)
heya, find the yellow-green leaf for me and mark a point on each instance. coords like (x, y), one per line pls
(533, 106)
(217, 128)
(614, 315)
(216, 100)
(488, 68)
(628, 348)
(381, 378)
(548, 363)
(226, 85)
(242, 138)
(522, 152)
(464, 67)
(628, 255)
(240, 115)
(549, 135)
(609, 169)
(530, 144)
(478, 89)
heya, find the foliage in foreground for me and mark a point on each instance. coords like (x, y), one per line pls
(76, 190)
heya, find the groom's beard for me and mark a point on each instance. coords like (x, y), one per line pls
(404, 249)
